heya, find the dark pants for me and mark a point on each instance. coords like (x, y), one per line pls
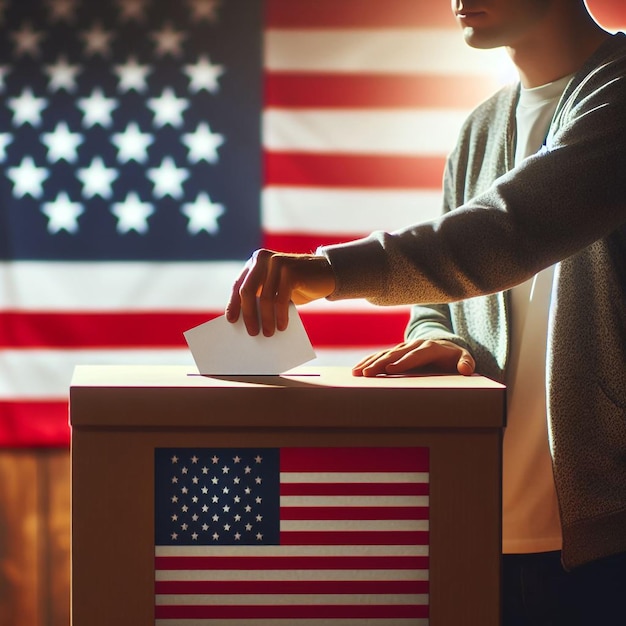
(537, 591)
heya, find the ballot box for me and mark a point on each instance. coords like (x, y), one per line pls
(309, 498)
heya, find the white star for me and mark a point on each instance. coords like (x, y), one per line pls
(26, 108)
(203, 144)
(132, 214)
(202, 215)
(174, 459)
(62, 144)
(97, 109)
(194, 459)
(27, 178)
(4, 70)
(168, 179)
(27, 41)
(132, 75)
(194, 536)
(237, 536)
(132, 144)
(132, 10)
(62, 214)
(204, 9)
(97, 179)
(174, 536)
(215, 536)
(62, 10)
(204, 75)
(167, 108)
(168, 41)
(259, 536)
(5, 140)
(62, 75)
(97, 40)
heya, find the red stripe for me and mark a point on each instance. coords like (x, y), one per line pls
(216, 587)
(194, 563)
(165, 330)
(355, 329)
(609, 13)
(362, 459)
(98, 330)
(354, 513)
(363, 611)
(34, 424)
(291, 242)
(354, 538)
(358, 14)
(354, 489)
(375, 91)
(353, 170)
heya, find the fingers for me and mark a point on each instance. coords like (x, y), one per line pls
(439, 356)
(270, 281)
(466, 365)
(377, 363)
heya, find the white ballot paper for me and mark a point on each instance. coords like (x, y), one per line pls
(221, 348)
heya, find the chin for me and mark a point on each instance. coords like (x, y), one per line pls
(481, 40)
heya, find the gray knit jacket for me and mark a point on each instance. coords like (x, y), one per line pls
(501, 225)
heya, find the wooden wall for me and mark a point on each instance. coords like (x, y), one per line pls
(34, 537)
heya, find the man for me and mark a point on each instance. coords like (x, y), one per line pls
(527, 270)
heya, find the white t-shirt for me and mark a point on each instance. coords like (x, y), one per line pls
(530, 515)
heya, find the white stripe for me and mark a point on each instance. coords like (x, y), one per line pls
(46, 374)
(375, 50)
(378, 132)
(131, 286)
(251, 621)
(290, 575)
(277, 551)
(290, 599)
(342, 357)
(353, 477)
(350, 211)
(349, 501)
(389, 525)
(111, 287)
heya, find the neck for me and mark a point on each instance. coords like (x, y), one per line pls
(559, 46)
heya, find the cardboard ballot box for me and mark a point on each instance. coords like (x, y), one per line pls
(309, 498)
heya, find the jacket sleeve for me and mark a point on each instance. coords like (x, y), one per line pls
(554, 204)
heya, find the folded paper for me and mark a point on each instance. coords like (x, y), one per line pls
(221, 348)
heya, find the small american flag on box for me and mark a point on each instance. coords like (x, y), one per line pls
(301, 535)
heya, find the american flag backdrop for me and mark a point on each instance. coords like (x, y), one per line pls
(147, 147)
(296, 535)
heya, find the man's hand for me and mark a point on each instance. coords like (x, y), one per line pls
(277, 279)
(419, 354)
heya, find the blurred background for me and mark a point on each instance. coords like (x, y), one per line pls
(147, 148)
